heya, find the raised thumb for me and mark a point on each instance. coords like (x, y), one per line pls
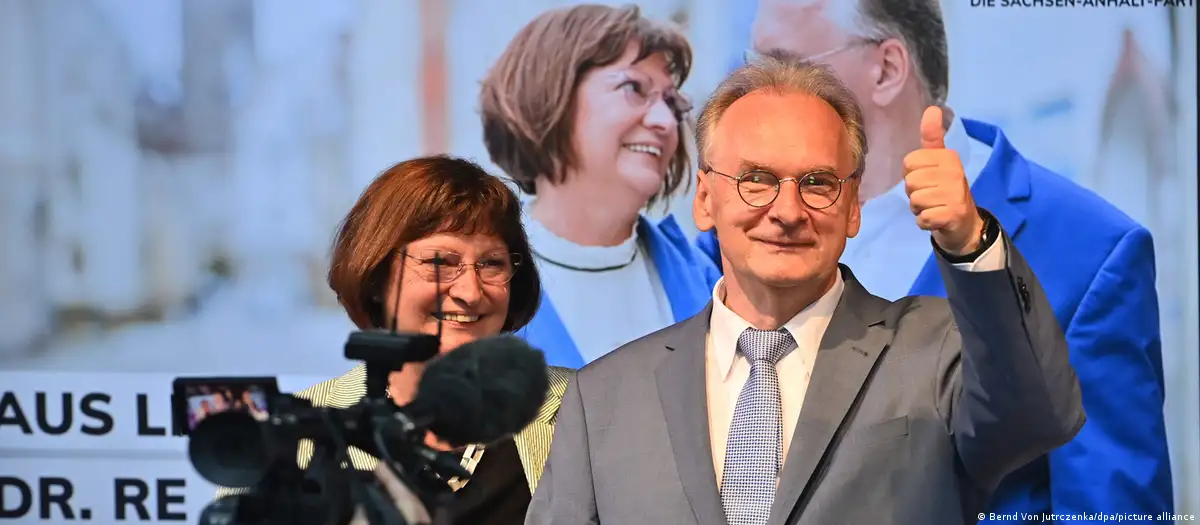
(933, 135)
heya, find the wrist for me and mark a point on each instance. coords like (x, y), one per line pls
(987, 230)
(975, 241)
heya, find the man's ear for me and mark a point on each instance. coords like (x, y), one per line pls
(854, 221)
(702, 202)
(890, 73)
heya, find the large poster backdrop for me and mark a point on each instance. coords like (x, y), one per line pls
(171, 173)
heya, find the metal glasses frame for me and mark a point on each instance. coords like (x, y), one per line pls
(453, 272)
(738, 180)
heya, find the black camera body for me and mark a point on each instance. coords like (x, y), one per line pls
(245, 436)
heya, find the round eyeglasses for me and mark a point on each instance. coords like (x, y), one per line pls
(818, 190)
(440, 266)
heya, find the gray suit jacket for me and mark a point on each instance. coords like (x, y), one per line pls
(915, 410)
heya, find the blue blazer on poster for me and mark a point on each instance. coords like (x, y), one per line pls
(687, 276)
(1097, 268)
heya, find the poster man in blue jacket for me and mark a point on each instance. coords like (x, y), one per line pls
(1096, 264)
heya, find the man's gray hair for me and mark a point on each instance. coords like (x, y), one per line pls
(918, 24)
(780, 73)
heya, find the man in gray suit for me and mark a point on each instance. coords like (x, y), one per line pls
(796, 396)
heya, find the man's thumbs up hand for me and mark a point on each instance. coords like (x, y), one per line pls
(933, 133)
(938, 193)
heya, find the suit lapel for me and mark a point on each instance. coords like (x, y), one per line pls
(848, 352)
(533, 442)
(533, 446)
(342, 392)
(680, 377)
(1005, 179)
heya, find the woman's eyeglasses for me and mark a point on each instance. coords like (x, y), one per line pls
(758, 188)
(441, 266)
(640, 95)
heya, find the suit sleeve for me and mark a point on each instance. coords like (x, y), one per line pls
(1010, 390)
(1119, 460)
(565, 494)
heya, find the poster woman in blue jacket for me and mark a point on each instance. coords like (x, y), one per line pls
(582, 110)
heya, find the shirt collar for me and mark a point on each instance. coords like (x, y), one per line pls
(807, 327)
(958, 140)
(549, 245)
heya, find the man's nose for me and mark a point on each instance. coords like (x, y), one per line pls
(789, 208)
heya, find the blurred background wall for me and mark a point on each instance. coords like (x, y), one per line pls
(171, 171)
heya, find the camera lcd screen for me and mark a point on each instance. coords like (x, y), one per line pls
(197, 398)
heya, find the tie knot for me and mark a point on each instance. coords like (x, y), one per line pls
(765, 345)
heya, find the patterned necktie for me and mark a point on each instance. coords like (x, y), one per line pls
(754, 451)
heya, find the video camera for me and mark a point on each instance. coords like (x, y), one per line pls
(253, 440)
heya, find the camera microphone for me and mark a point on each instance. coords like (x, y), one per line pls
(481, 392)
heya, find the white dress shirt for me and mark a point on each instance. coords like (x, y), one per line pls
(601, 310)
(727, 369)
(890, 250)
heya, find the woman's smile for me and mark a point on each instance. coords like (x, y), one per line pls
(456, 317)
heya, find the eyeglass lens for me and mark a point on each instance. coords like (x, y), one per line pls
(638, 91)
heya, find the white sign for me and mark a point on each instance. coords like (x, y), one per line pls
(97, 447)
